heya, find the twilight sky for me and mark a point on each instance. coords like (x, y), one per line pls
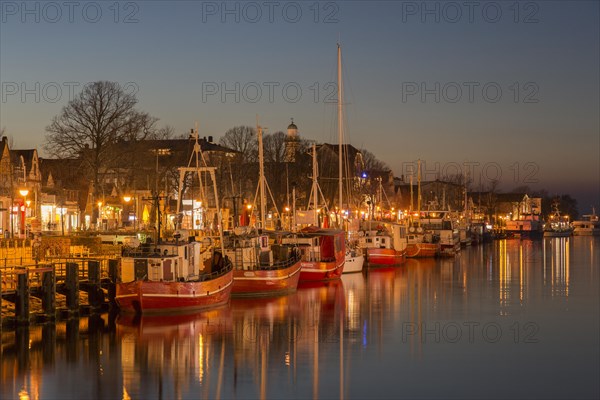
(512, 88)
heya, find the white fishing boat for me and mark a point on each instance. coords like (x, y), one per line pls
(589, 226)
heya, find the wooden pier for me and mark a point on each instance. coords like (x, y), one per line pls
(62, 288)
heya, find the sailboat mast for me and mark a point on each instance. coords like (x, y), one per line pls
(419, 190)
(340, 125)
(315, 186)
(261, 177)
(411, 194)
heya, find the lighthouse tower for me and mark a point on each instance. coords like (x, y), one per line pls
(291, 142)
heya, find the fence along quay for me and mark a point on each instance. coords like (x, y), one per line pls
(43, 283)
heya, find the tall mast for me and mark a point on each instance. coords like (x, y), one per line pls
(419, 190)
(262, 175)
(340, 125)
(411, 193)
(315, 185)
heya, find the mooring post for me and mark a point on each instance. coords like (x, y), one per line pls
(72, 282)
(22, 298)
(49, 293)
(95, 293)
(113, 274)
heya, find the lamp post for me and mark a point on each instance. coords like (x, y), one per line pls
(99, 215)
(127, 200)
(23, 192)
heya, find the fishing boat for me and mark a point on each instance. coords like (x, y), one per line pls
(262, 268)
(182, 274)
(443, 226)
(353, 259)
(527, 226)
(557, 226)
(384, 246)
(172, 277)
(323, 253)
(589, 226)
(419, 244)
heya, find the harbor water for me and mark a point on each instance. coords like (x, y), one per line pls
(510, 318)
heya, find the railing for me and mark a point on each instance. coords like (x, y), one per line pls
(256, 264)
(227, 267)
(293, 259)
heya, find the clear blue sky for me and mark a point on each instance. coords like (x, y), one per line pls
(421, 79)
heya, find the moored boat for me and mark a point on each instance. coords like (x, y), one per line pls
(353, 260)
(421, 250)
(261, 268)
(420, 244)
(322, 251)
(385, 246)
(589, 226)
(173, 278)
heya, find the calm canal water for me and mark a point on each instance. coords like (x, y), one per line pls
(508, 319)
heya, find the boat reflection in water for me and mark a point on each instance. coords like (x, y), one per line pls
(242, 350)
(173, 355)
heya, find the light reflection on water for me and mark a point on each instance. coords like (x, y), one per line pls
(508, 319)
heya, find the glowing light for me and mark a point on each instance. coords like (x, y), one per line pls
(24, 192)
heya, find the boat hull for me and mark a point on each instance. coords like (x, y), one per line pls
(586, 232)
(449, 250)
(266, 282)
(557, 233)
(321, 270)
(385, 257)
(419, 250)
(151, 297)
(353, 263)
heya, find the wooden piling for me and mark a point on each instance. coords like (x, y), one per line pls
(49, 294)
(95, 293)
(22, 298)
(113, 275)
(72, 286)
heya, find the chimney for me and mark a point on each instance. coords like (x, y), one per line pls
(210, 139)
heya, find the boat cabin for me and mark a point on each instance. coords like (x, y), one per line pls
(166, 262)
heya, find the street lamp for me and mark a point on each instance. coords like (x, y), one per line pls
(23, 192)
(127, 200)
(99, 214)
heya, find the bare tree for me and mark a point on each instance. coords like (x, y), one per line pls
(371, 162)
(166, 132)
(242, 139)
(92, 123)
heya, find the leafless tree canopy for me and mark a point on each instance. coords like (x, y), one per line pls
(371, 163)
(242, 139)
(89, 126)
